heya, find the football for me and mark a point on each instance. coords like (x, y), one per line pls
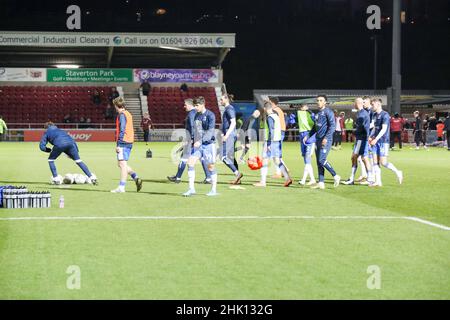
(254, 163)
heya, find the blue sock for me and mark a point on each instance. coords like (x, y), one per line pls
(283, 170)
(84, 167)
(53, 168)
(329, 168)
(134, 176)
(181, 167)
(122, 183)
(229, 164)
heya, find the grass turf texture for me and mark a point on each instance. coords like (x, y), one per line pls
(225, 259)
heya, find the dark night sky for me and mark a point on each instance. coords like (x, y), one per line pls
(285, 44)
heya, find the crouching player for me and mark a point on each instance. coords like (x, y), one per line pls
(203, 147)
(125, 139)
(379, 140)
(361, 148)
(62, 143)
(272, 148)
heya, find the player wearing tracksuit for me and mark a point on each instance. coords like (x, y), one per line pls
(305, 120)
(229, 137)
(62, 143)
(379, 140)
(204, 146)
(323, 129)
(187, 146)
(361, 147)
(125, 139)
(272, 148)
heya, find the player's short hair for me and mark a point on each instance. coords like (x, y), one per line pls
(229, 96)
(376, 100)
(199, 100)
(189, 102)
(48, 124)
(366, 98)
(274, 99)
(119, 102)
(323, 96)
(267, 105)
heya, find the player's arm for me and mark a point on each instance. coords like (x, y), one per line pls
(271, 128)
(331, 126)
(43, 144)
(384, 128)
(209, 133)
(122, 127)
(232, 124)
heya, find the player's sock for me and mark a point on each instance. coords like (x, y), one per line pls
(122, 185)
(206, 170)
(83, 167)
(305, 174)
(134, 176)
(214, 181)
(311, 172)
(377, 173)
(236, 164)
(352, 176)
(191, 176)
(264, 171)
(363, 167)
(53, 168)
(391, 167)
(329, 168)
(284, 171)
(370, 175)
(181, 167)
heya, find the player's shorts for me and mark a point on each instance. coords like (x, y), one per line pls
(381, 149)
(361, 148)
(307, 148)
(207, 152)
(71, 150)
(274, 151)
(228, 147)
(124, 153)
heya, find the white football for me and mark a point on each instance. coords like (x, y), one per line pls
(80, 179)
(68, 179)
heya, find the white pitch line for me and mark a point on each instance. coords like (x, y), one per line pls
(79, 218)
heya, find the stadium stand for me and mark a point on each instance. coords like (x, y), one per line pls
(165, 104)
(38, 104)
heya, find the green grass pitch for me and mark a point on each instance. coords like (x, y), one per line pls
(226, 258)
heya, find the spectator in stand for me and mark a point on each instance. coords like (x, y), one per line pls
(88, 123)
(432, 123)
(113, 94)
(96, 98)
(146, 125)
(67, 118)
(81, 123)
(3, 128)
(447, 130)
(418, 135)
(146, 88)
(440, 130)
(397, 123)
(337, 137)
(348, 125)
(184, 87)
(109, 112)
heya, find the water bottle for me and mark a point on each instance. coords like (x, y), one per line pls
(61, 202)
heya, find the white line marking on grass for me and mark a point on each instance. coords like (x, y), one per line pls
(79, 218)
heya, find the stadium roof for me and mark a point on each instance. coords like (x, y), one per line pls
(113, 50)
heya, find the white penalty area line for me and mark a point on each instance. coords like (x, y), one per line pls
(110, 218)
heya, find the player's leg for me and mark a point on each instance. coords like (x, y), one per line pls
(206, 171)
(277, 174)
(122, 164)
(181, 165)
(54, 154)
(376, 166)
(265, 167)
(320, 168)
(228, 158)
(72, 152)
(195, 156)
(287, 179)
(328, 166)
(389, 165)
(305, 160)
(209, 153)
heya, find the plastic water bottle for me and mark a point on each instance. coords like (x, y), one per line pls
(61, 202)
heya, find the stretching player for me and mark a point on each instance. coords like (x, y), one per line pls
(187, 145)
(379, 140)
(229, 138)
(305, 124)
(361, 148)
(204, 146)
(125, 139)
(245, 134)
(323, 129)
(62, 143)
(272, 149)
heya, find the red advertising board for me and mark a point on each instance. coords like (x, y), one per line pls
(77, 134)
